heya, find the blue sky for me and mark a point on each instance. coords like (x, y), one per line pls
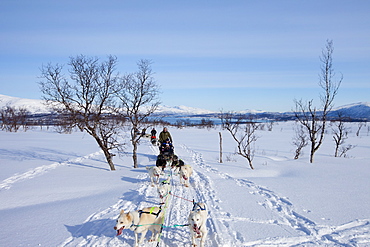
(229, 55)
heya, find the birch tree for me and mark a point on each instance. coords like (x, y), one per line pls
(86, 97)
(312, 118)
(138, 93)
(243, 131)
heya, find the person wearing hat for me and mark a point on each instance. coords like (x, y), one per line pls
(166, 147)
(164, 135)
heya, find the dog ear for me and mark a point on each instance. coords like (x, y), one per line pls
(122, 211)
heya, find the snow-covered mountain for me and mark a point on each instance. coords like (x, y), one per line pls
(34, 106)
(183, 110)
(355, 111)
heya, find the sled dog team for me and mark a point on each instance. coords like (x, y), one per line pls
(152, 218)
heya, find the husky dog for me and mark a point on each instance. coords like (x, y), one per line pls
(141, 221)
(177, 166)
(154, 173)
(161, 162)
(185, 173)
(197, 223)
(164, 190)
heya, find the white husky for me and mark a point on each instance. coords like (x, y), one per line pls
(141, 221)
(164, 190)
(197, 223)
(154, 173)
(185, 173)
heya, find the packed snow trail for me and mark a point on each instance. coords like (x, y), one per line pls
(201, 190)
(97, 229)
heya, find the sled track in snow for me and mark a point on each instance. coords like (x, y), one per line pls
(357, 231)
(99, 225)
(180, 205)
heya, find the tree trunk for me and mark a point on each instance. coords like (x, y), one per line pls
(312, 152)
(109, 158)
(250, 164)
(297, 153)
(134, 154)
(336, 151)
(108, 155)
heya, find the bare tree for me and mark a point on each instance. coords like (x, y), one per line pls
(340, 134)
(87, 97)
(12, 118)
(344, 149)
(312, 118)
(270, 124)
(300, 140)
(360, 125)
(243, 131)
(138, 94)
(207, 123)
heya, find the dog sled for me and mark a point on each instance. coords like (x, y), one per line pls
(166, 155)
(154, 140)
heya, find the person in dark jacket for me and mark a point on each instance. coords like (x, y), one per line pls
(153, 132)
(166, 147)
(164, 135)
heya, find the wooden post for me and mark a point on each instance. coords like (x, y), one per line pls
(220, 146)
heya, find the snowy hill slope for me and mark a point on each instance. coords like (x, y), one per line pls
(34, 106)
(356, 110)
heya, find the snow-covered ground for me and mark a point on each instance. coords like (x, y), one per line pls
(57, 190)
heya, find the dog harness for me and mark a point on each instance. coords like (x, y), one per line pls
(165, 182)
(197, 205)
(150, 212)
(168, 192)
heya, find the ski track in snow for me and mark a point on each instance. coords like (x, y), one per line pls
(7, 183)
(355, 233)
(97, 229)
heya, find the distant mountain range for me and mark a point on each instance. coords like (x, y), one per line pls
(356, 111)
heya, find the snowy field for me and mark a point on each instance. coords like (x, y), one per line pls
(57, 190)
